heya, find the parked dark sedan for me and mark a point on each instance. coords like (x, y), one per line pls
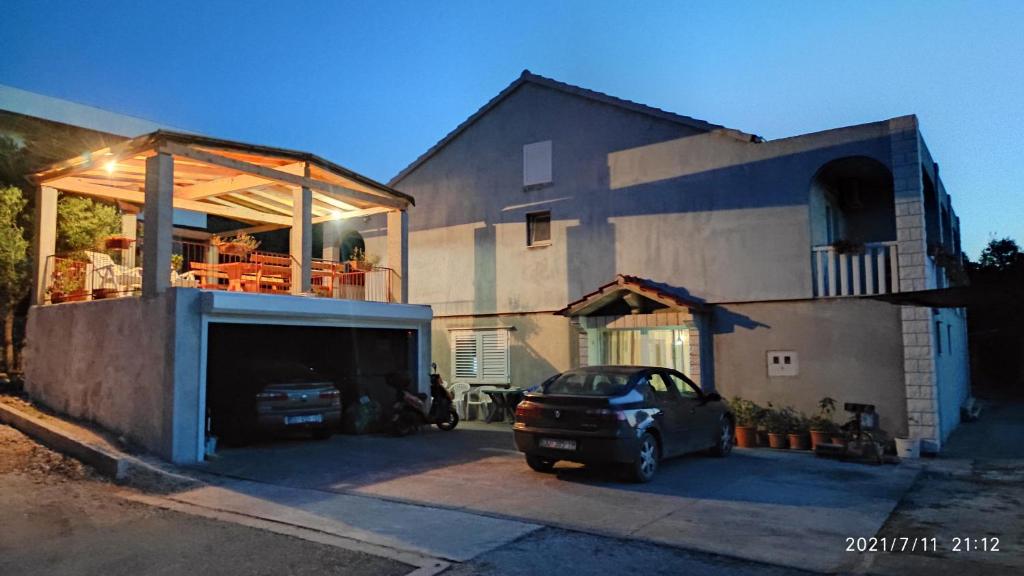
(628, 415)
(272, 396)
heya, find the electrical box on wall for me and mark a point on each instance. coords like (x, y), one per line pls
(783, 363)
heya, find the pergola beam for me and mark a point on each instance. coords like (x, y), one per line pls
(278, 176)
(237, 183)
(82, 186)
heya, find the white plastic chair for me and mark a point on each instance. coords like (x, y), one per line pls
(107, 274)
(479, 399)
(460, 394)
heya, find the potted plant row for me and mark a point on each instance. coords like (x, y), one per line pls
(782, 428)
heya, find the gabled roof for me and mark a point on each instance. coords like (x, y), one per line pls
(670, 296)
(531, 78)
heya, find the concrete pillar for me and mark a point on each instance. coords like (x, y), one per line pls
(129, 229)
(44, 237)
(158, 213)
(398, 253)
(332, 241)
(301, 240)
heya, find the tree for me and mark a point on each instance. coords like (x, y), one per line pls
(14, 264)
(82, 224)
(1002, 255)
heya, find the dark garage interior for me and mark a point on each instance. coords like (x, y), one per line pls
(364, 364)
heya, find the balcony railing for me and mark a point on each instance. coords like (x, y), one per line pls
(91, 275)
(873, 270)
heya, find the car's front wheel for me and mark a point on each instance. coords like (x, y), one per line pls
(725, 438)
(540, 464)
(645, 465)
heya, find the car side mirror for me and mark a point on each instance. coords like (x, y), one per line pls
(713, 397)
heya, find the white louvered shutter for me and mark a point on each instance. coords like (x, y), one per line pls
(494, 356)
(465, 356)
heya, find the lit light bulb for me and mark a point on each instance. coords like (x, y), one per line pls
(111, 166)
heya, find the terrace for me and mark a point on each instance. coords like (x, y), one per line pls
(261, 188)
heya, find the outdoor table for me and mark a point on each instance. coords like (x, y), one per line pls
(504, 401)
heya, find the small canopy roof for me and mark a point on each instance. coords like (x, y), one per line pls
(235, 180)
(624, 292)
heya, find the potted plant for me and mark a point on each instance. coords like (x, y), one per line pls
(748, 415)
(67, 282)
(848, 247)
(799, 439)
(240, 244)
(777, 424)
(360, 261)
(118, 242)
(821, 425)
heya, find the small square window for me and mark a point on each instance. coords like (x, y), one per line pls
(538, 229)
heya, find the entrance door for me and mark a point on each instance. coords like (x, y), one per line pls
(661, 347)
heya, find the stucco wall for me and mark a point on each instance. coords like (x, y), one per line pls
(726, 218)
(108, 362)
(540, 345)
(848, 349)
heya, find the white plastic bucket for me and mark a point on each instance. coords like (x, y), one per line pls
(908, 447)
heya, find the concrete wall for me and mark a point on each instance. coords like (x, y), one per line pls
(952, 369)
(540, 345)
(729, 217)
(110, 362)
(847, 349)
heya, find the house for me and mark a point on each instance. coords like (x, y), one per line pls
(562, 227)
(136, 335)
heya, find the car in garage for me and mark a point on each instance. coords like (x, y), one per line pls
(271, 396)
(633, 416)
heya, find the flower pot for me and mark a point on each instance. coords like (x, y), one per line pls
(746, 436)
(233, 249)
(101, 293)
(78, 296)
(58, 297)
(839, 440)
(762, 438)
(908, 447)
(776, 440)
(118, 243)
(799, 441)
(819, 437)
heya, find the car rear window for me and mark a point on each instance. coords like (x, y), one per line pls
(588, 384)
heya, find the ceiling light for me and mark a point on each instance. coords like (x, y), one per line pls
(111, 166)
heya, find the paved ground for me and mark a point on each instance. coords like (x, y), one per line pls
(975, 490)
(58, 518)
(779, 507)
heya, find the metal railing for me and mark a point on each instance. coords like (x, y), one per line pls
(90, 275)
(872, 270)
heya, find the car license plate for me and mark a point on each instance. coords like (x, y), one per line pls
(557, 444)
(310, 419)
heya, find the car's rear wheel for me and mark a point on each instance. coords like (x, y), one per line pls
(645, 464)
(725, 438)
(540, 464)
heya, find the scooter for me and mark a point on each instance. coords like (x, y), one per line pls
(411, 411)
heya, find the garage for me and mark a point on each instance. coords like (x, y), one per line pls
(364, 365)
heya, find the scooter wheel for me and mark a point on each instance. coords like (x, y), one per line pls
(451, 422)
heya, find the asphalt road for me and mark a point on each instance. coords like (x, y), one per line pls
(57, 518)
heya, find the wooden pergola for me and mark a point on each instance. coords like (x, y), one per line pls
(264, 187)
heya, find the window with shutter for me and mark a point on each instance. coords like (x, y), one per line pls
(480, 356)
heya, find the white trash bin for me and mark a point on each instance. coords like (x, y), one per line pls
(908, 447)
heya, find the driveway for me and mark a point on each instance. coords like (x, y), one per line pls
(770, 506)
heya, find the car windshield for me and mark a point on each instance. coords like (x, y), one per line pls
(588, 384)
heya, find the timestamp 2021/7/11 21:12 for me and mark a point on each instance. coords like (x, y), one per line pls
(925, 544)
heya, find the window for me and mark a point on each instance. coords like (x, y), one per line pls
(684, 387)
(537, 164)
(949, 337)
(538, 229)
(660, 386)
(480, 356)
(938, 338)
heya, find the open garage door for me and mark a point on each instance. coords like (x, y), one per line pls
(265, 380)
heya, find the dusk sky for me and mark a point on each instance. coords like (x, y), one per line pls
(372, 85)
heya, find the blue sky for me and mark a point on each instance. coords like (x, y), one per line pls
(372, 85)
